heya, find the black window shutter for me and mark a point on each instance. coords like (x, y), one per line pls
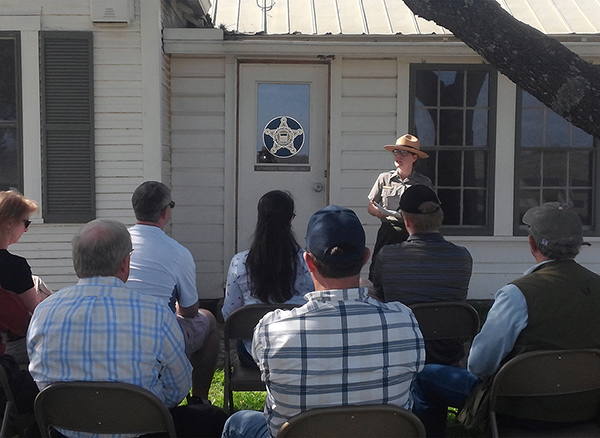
(67, 92)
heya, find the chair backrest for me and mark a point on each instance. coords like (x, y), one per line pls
(446, 320)
(354, 421)
(241, 322)
(101, 407)
(531, 376)
(5, 386)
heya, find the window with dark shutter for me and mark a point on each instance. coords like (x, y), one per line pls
(67, 126)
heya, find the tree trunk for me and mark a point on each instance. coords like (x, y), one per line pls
(540, 65)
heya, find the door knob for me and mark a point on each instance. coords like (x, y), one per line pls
(318, 187)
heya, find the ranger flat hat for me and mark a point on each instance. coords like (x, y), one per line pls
(408, 143)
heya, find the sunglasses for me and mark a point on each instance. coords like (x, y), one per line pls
(27, 222)
(401, 152)
(171, 204)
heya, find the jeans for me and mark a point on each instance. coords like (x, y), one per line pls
(437, 387)
(246, 424)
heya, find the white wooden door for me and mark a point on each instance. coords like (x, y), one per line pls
(282, 140)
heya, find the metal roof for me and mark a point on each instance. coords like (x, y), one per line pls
(387, 17)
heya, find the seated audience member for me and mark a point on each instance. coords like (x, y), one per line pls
(555, 305)
(273, 269)
(15, 272)
(98, 330)
(14, 320)
(426, 267)
(340, 348)
(162, 267)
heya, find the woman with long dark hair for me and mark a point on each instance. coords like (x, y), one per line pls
(273, 269)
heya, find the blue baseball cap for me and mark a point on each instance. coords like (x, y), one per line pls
(330, 227)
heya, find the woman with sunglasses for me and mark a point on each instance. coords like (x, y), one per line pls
(384, 197)
(19, 295)
(15, 272)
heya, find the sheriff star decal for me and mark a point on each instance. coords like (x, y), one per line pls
(283, 136)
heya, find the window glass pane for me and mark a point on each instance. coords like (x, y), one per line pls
(527, 200)
(452, 88)
(8, 85)
(581, 169)
(530, 169)
(9, 159)
(428, 166)
(283, 128)
(580, 138)
(582, 202)
(474, 207)
(425, 122)
(532, 128)
(557, 130)
(554, 195)
(528, 101)
(477, 128)
(475, 173)
(477, 88)
(426, 87)
(555, 169)
(451, 128)
(450, 168)
(450, 200)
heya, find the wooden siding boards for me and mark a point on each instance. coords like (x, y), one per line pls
(117, 131)
(198, 165)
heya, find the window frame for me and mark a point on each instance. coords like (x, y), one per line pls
(18, 122)
(520, 229)
(466, 230)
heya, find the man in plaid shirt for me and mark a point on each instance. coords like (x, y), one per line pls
(98, 330)
(342, 347)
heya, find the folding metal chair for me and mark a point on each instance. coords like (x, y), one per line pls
(101, 407)
(13, 421)
(352, 421)
(240, 326)
(565, 382)
(446, 324)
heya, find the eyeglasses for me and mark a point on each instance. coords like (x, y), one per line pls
(27, 222)
(171, 204)
(401, 152)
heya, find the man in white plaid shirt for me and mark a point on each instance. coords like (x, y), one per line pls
(341, 348)
(98, 330)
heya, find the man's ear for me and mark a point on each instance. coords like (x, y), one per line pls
(366, 255)
(533, 245)
(308, 259)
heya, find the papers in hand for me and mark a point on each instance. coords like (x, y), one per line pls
(388, 213)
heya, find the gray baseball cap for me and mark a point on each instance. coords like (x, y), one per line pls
(553, 224)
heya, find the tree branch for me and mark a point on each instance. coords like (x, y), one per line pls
(539, 64)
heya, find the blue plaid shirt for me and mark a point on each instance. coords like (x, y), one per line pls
(99, 330)
(340, 348)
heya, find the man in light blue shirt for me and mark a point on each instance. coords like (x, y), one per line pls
(554, 306)
(98, 330)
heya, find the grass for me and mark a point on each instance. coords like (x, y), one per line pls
(254, 400)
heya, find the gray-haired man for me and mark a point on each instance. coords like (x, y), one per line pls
(554, 306)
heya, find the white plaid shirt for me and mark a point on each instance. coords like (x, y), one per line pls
(340, 348)
(100, 331)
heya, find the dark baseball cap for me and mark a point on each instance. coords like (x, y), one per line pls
(414, 196)
(333, 226)
(553, 224)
